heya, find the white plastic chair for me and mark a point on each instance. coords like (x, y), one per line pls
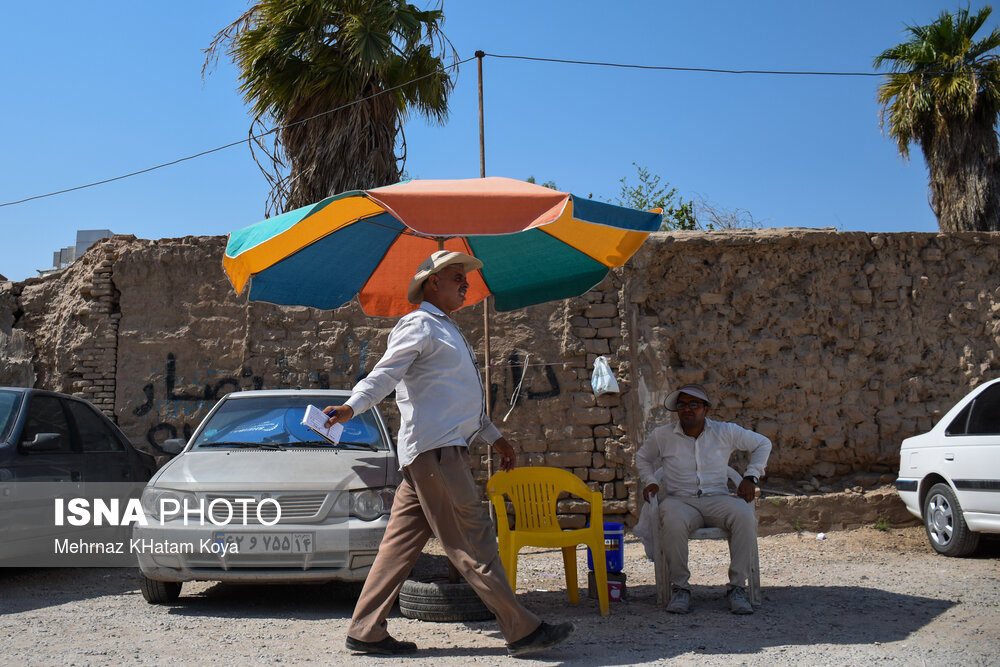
(662, 571)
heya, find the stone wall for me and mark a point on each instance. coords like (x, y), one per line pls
(16, 350)
(834, 345)
(71, 323)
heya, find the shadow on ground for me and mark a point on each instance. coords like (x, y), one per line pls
(270, 601)
(25, 589)
(636, 631)
(793, 615)
(283, 601)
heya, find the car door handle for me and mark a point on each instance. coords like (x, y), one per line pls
(949, 457)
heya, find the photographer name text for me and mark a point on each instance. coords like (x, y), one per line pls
(145, 546)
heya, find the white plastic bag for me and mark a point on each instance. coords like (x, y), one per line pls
(602, 379)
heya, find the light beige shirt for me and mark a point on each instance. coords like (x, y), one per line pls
(697, 466)
(438, 387)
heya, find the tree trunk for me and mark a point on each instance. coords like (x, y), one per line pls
(350, 149)
(964, 163)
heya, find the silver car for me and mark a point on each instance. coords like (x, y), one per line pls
(256, 496)
(950, 476)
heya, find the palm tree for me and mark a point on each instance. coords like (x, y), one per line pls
(944, 95)
(336, 79)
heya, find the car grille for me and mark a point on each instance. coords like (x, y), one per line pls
(294, 506)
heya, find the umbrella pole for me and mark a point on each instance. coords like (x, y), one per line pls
(482, 134)
(486, 302)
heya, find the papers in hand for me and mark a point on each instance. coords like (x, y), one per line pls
(316, 419)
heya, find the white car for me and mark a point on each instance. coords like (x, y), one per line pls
(257, 497)
(950, 476)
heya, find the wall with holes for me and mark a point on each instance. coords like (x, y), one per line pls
(835, 345)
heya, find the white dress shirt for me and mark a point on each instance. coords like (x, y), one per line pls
(697, 466)
(438, 388)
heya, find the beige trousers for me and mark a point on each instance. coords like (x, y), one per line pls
(438, 496)
(679, 515)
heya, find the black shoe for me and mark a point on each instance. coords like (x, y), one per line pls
(545, 636)
(387, 646)
(738, 602)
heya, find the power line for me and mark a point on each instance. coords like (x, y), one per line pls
(685, 69)
(134, 173)
(453, 65)
(254, 137)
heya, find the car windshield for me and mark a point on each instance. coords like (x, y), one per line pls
(275, 422)
(10, 401)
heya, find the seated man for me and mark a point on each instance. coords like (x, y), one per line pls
(694, 454)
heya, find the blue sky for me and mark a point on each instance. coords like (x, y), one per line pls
(97, 90)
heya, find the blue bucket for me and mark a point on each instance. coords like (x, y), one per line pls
(614, 547)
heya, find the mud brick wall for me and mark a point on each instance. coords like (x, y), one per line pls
(835, 345)
(69, 330)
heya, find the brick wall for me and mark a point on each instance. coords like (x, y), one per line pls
(834, 345)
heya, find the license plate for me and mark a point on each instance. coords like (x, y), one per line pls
(266, 543)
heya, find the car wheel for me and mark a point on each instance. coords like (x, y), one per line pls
(442, 601)
(160, 592)
(946, 527)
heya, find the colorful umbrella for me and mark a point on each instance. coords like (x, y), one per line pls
(536, 244)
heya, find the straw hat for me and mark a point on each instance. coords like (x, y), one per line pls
(433, 264)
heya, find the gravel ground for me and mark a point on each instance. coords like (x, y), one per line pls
(854, 597)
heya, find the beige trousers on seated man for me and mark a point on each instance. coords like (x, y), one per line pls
(679, 515)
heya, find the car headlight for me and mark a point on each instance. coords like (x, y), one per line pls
(171, 502)
(370, 504)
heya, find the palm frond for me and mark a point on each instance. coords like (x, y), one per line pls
(309, 66)
(942, 92)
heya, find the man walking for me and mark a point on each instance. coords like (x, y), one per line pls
(442, 410)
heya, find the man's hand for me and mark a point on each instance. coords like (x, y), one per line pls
(650, 491)
(508, 458)
(338, 414)
(746, 490)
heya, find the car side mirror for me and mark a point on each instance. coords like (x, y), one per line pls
(173, 445)
(43, 442)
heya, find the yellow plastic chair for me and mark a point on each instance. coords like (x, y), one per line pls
(533, 492)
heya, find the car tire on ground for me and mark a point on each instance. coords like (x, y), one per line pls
(437, 599)
(160, 592)
(946, 528)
